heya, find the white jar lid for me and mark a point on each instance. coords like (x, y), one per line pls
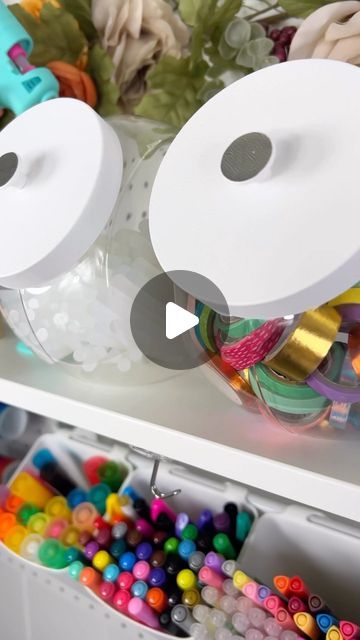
(60, 175)
(275, 222)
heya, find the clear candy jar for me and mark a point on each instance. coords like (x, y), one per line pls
(69, 284)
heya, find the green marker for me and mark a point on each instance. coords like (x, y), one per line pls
(243, 526)
(75, 569)
(171, 545)
(25, 512)
(190, 532)
(112, 474)
(52, 554)
(223, 545)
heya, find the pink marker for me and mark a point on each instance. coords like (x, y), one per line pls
(295, 605)
(140, 611)
(144, 527)
(107, 591)
(211, 578)
(159, 506)
(56, 528)
(285, 620)
(141, 570)
(273, 604)
(121, 600)
(250, 590)
(349, 630)
(125, 581)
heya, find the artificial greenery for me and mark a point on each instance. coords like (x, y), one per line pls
(302, 8)
(101, 69)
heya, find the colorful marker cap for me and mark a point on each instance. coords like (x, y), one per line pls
(15, 537)
(29, 548)
(119, 530)
(157, 599)
(171, 545)
(112, 474)
(139, 589)
(121, 600)
(125, 580)
(186, 549)
(157, 577)
(243, 526)
(196, 561)
(75, 569)
(141, 611)
(131, 493)
(241, 579)
(76, 497)
(191, 598)
(56, 528)
(104, 537)
(58, 507)
(90, 578)
(30, 489)
(158, 559)
(42, 457)
(186, 580)
(144, 551)
(101, 560)
(72, 554)
(127, 561)
(91, 549)
(84, 515)
(91, 468)
(52, 554)
(25, 512)
(190, 532)
(70, 537)
(13, 503)
(38, 523)
(117, 548)
(7, 522)
(107, 591)
(223, 545)
(111, 573)
(97, 495)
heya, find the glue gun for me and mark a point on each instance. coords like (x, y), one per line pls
(21, 85)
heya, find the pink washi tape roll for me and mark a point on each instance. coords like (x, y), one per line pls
(254, 347)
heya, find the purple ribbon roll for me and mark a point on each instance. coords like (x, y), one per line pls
(333, 390)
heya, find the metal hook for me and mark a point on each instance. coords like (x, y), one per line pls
(153, 486)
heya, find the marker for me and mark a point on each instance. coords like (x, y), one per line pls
(257, 617)
(25, 512)
(56, 528)
(159, 538)
(174, 595)
(299, 588)
(229, 588)
(285, 619)
(317, 604)
(111, 573)
(75, 569)
(232, 510)
(159, 506)
(230, 567)
(334, 633)
(209, 577)
(182, 617)
(107, 591)
(114, 508)
(13, 503)
(117, 548)
(201, 613)
(131, 493)
(223, 546)
(91, 549)
(157, 577)
(101, 560)
(134, 538)
(139, 589)
(157, 599)
(307, 624)
(349, 630)
(125, 581)
(205, 521)
(7, 522)
(121, 600)
(76, 497)
(182, 520)
(171, 545)
(273, 604)
(29, 489)
(282, 584)
(144, 551)
(52, 554)
(190, 532)
(214, 561)
(222, 522)
(167, 624)
(196, 561)
(243, 605)
(58, 507)
(72, 554)
(228, 605)
(241, 579)
(295, 605)
(325, 621)
(243, 526)
(191, 598)
(272, 628)
(103, 537)
(119, 530)
(240, 622)
(84, 537)
(83, 516)
(15, 537)
(91, 468)
(52, 473)
(97, 496)
(29, 548)
(111, 474)
(186, 549)
(263, 592)
(127, 561)
(141, 612)
(158, 559)
(141, 570)
(250, 590)
(90, 578)
(70, 536)
(186, 580)
(145, 528)
(174, 564)
(211, 595)
(205, 543)
(142, 509)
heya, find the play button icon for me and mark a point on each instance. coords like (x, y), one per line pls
(178, 320)
(163, 324)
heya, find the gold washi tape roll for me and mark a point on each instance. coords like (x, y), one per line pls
(351, 296)
(305, 348)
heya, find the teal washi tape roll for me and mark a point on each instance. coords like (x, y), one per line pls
(293, 397)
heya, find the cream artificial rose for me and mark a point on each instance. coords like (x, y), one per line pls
(333, 31)
(136, 33)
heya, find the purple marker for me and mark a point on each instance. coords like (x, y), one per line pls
(215, 561)
(263, 592)
(157, 577)
(222, 522)
(91, 549)
(182, 520)
(144, 551)
(205, 520)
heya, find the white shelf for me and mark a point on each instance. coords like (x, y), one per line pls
(186, 419)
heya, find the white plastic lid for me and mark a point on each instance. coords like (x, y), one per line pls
(60, 174)
(273, 219)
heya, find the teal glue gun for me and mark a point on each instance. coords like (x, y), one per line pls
(21, 85)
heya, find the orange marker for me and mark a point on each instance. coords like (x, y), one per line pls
(157, 599)
(282, 584)
(7, 522)
(90, 578)
(15, 537)
(307, 624)
(13, 503)
(84, 516)
(334, 633)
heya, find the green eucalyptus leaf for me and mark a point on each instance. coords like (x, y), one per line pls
(56, 34)
(261, 47)
(226, 52)
(209, 90)
(257, 31)
(81, 10)
(101, 70)
(302, 8)
(188, 10)
(246, 58)
(237, 33)
(268, 61)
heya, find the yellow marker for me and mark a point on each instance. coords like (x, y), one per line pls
(30, 489)
(307, 624)
(15, 537)
(186, 580)
(240, 579)
(38, 523)
(70, 536)
(334, 633)
(57, 507)
(191, 598)
(101, 560)
(114, 507)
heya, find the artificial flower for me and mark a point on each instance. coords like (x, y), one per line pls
(333, 31)
(136, 34)
(74, 83)
(34, 6)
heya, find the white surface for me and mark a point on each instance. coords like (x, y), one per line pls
(286, 243)
(178, 320)
(73, 162)
(189, 421)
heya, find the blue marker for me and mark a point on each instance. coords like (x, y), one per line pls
(325, 621)
(139, 589)
(111, 573)
(76, 497)
(182, 520)
(127, 561)
(186, 548)
(117, 548)
(263, 592)
(131, 493)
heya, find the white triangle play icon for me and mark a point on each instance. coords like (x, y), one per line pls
(178, 320)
